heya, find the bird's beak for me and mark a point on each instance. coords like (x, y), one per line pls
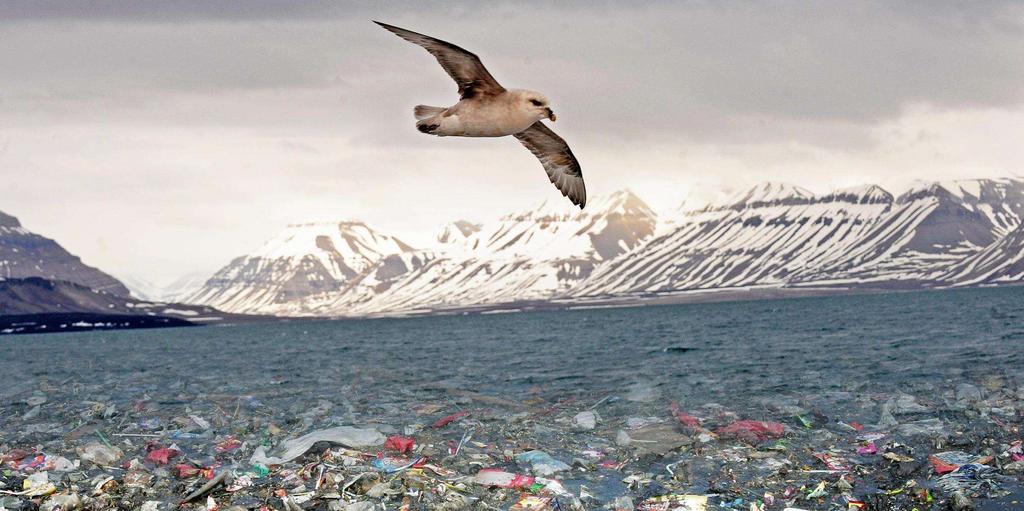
(551, 115)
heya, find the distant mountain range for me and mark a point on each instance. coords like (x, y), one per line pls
(770, 237)
(773, 236)
(38, 305)
(778, 235)
(305, 263)
(173, 291)
(44, 288)
(26, 254)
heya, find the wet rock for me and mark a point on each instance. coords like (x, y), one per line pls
(960, 502)
(622, 503)
(906, 469)
(541, 463)
(381, 490)
(36, 399)
(360, 506)
(585, 420)
(657, 439)
(901, 404)
(968, 393)
(622, 438)
(642, 393)
(933, 427)
(63, 501)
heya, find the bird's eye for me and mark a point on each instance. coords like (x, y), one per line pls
(536, 102)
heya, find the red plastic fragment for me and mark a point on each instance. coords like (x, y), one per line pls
(444, 421)
(400, 443)
(752, 432)
(228, 444)
(868, 448)
(831, 462)
(684, 418)
(161, 456)
(14, 455)
(941, 467)
(688, 420)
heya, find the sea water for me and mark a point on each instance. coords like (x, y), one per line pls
(734, 352)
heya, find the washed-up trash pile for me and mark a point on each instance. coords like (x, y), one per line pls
(360, 447)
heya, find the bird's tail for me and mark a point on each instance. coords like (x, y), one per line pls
(425, 112)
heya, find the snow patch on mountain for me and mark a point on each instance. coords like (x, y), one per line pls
(457, 231)
(529, 255)
(299, 264)
(169, 292)
(999, 263)
(765, 194)
(772, 235)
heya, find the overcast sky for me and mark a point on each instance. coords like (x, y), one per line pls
(161, 138)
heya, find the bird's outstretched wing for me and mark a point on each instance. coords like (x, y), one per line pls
(559, 162)
(464, 67)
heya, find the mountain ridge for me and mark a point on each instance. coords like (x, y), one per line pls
(25, 254)
(774, 235)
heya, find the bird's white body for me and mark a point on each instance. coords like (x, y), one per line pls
(499, 115)
(486, 109)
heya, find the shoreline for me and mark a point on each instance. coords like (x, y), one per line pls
(47, 323)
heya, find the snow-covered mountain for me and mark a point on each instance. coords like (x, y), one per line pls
(999, 263)
(457, 231)
(26, 254)
(173, 291)
(181, 287)
(776, 235)
(529, 255)
(766, 194)
(773, 235)
(304, 264)
(764, 236)
(930, 227)
(140, 287)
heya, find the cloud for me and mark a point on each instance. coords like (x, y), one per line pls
(211, 124)
(699, 69)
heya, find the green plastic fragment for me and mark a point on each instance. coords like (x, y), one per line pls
(103, 439)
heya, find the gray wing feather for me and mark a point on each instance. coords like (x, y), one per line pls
(561, 165)
(464, 67)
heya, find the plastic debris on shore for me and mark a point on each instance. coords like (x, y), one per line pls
(83, 446)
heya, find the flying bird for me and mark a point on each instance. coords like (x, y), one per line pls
(486, 109)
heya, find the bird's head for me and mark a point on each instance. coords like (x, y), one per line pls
(536, 103)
